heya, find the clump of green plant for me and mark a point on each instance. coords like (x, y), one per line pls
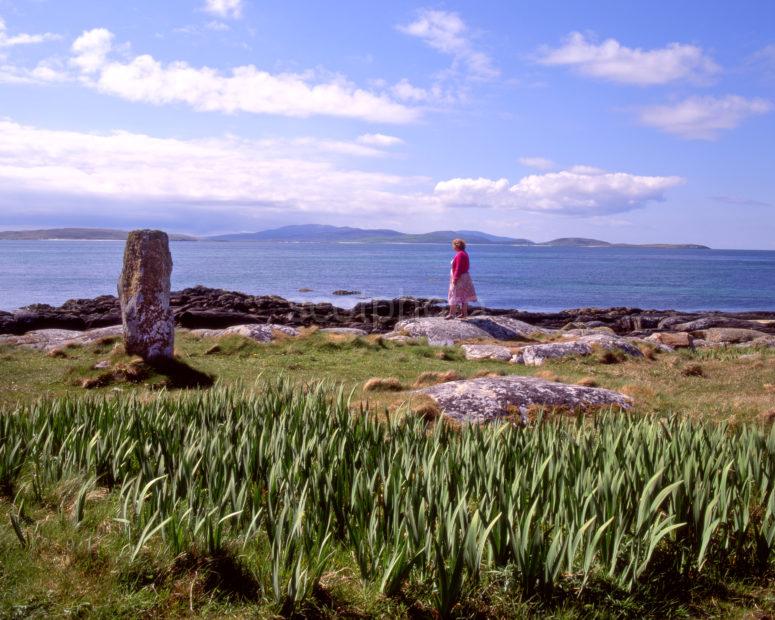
(292, 478)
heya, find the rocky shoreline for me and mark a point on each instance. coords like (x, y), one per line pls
(206, 308)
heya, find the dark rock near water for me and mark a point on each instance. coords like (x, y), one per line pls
(200, 307)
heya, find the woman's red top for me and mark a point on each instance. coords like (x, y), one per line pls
(460, 264)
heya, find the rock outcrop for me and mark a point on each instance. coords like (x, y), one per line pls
(729, 335)
(259, 333)
(144, 296)
(202, 307)
(344, 331)
(674, 340)
(50, 339)
(490, 398)
(440, 331)
(538, 354)
(487, 352)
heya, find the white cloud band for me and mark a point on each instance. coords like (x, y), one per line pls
(703, 118)
(580, 190)
(613, 61)
(243, 89)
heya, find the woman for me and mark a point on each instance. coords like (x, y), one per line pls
(461, 287)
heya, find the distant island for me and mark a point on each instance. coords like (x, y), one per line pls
(77, 234)
(317, 233)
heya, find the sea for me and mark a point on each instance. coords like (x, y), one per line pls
(526, 278)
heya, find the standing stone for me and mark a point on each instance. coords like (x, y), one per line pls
(144, 294)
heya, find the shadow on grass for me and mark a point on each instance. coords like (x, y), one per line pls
(179, 375)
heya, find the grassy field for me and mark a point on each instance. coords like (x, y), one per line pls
(243, 460)
(735, 385)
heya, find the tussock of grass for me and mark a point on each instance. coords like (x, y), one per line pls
(548, 375)
(587, 382)
(693, 370)
(608, 356)
(383, 384)
(489, 373)
(426, 408)
(431, 377)
(649, 351)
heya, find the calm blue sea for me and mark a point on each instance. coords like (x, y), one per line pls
(507, 277)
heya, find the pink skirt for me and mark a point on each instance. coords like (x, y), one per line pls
(463, 291)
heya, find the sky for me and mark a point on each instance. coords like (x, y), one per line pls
(639, 121)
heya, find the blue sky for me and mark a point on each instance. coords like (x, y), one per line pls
(625, 121)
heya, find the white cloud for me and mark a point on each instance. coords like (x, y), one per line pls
(541, 163)
(229, 9)
(613, 61)
(703, 118)
(405, 91)
(379, 139)
(580, 191)
(91, 49)
(141, 171)
(242, 89)
(447, 33)
(7, 40)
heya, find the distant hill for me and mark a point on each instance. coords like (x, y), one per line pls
(344, 234)
(314, 232)
(322, 233)
(86, 234)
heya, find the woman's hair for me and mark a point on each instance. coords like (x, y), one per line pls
(459, 244)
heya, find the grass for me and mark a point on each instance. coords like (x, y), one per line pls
(736, 384)
(83, 569)
(76, 553)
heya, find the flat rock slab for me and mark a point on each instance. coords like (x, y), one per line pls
(538, 354)
(490, 398)
(729, 335)
(764, 341)
(674, 340)
(344, 331)
(589, 331)
(487, 352)
(715, 321)
(49, 339)
(440, 331)
(259, 333)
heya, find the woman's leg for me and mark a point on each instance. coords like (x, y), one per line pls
(464, 310)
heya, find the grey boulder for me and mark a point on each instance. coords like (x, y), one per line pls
(50, 339)
(487, 352)
(538, 354)
(490, 398)
(344, 331)
(439, 331)
(709, 322)
(258, 332)
(729, 335)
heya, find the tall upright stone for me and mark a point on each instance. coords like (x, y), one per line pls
(144, 294)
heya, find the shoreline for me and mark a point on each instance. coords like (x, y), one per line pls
(202, 307)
